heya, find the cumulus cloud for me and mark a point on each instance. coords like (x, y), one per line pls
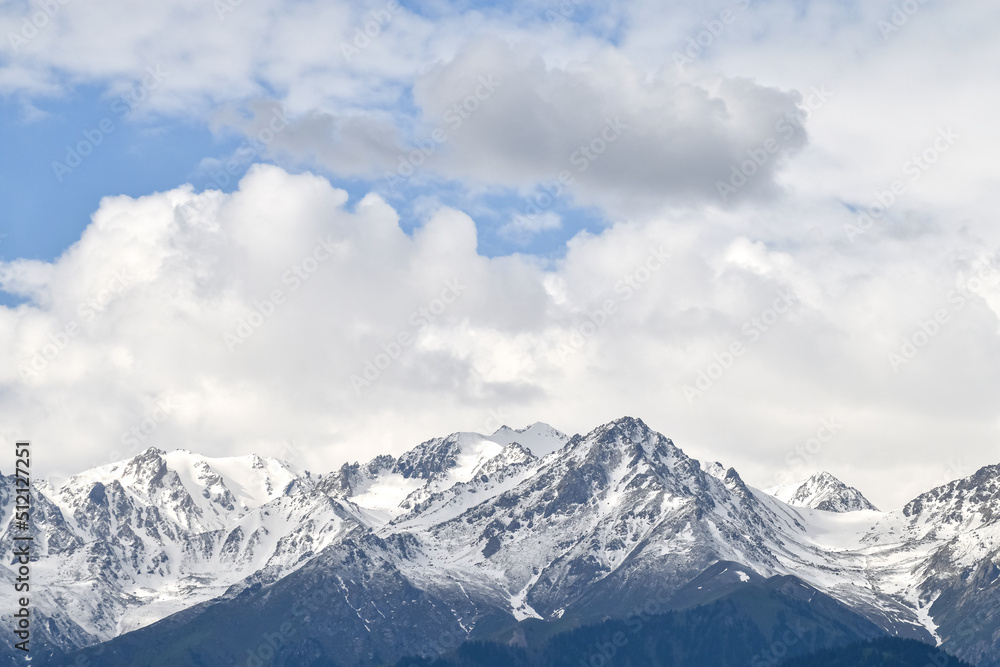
(594, 130)
(481, 86)
(615, 133)
(284, 319)
(220, 305)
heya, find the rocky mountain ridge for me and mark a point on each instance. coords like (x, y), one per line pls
(483, 533)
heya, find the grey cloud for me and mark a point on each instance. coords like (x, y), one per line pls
(618, 137)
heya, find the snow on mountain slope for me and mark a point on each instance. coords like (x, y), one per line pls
(861, 558)
(822, 491)
(388, 488)
(195, 492)
(494, 476)
(961, 579)
(539, 438)
(126, 544)
(620, 496)
(494, 529)
(714, 468)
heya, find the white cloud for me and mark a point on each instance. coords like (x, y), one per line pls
(556, 342)
(447, 336)
(620, 137)
(575, 104)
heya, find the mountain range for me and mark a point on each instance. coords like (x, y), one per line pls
(513, 539)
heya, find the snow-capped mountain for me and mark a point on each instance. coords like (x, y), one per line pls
(129, 543)
(470, 535)
(386, 487)
(823, 491)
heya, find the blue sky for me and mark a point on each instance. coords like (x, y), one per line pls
(686, 209)
(43, 215)
(46, 210)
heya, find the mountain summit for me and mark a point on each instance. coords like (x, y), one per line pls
(823, 491)
(471, 536)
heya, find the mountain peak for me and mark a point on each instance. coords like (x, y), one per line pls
(630, 441)
(439, 457)
(629, 423)
(823, 491)
(150, 452)
(626, 429)
(714, 468)
(538, 438)
(957, 501)
(469, 526)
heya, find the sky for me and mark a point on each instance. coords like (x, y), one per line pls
(324, 230)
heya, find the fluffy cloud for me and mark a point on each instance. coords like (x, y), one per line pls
(284, 320)
(481, 85)
(595, 130)
(618, 136)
